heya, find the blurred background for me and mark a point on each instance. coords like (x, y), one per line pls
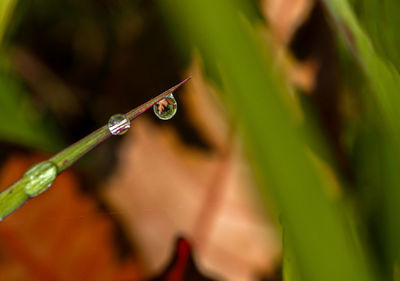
(278, 131)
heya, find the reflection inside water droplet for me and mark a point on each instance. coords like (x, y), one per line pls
(118, 124)
(39, 178)
(166, 108)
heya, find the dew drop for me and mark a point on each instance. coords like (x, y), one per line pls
(166, 108)
(118, 124)
(38, 178)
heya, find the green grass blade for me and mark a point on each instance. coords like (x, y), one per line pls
(40, 177)
(384, 80)
(383, 76)
(11, 199)
(315, 227)
(381, 21)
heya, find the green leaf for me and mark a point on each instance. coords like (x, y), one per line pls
(381, 21)
(313, 223)
(21, 122)
(376, 54)
(6, 9)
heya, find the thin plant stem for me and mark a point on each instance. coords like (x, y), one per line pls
(15, 195)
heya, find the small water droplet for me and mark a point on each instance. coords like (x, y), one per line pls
(118, 124)
(166, 108)
(38, 178)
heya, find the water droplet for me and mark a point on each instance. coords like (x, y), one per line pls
(118, 124)
(39, 178)
(166, 108)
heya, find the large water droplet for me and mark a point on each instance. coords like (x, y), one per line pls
(39, 178)
(166, 108)
(118, 124)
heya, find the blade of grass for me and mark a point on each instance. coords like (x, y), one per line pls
(384, 78)
(385, 84)
(15, 195)
(315, 227)
(381, 22)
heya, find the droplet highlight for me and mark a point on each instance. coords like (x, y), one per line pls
(118, 124)
(166, 108)
(38, 178)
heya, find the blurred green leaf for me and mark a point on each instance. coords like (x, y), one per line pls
(313, 223)
(384, 80)
(6, 8)
(21, 122)
(381, 21)
(382, 75)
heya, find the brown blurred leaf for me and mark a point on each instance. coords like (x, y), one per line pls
(162, 187)
(284, 19)
(60, 235)
(285, 16)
